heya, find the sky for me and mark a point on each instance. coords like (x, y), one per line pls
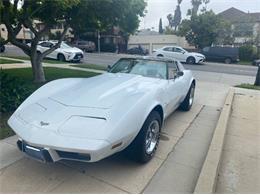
(157, 9)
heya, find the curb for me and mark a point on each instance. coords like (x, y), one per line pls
(206, 182)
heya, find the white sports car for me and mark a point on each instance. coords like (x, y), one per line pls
(88, 119)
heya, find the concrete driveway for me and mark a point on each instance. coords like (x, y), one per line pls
(117, 174)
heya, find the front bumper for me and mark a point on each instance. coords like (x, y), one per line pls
(75, 57)
(58, 146)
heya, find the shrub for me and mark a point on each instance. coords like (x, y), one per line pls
(247, 53)
(13, 92)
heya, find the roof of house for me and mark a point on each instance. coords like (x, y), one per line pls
(235, 15)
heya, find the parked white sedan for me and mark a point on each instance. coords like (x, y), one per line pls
(88, 119)
(63, 53)
(180, 54)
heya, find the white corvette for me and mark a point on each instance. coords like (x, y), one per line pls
(88, 119)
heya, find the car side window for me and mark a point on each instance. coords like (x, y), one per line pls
(168, 49)
(206, 49)
(178, 50)
(46, 44)
(172, 70)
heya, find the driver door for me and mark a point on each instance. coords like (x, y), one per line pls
(178, 54)
(175, 88)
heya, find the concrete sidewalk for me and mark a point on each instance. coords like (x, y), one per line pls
(240, 165)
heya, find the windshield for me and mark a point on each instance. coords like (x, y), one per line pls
(147, 68)
(64, 45)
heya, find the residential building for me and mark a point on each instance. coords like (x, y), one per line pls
(245, 26)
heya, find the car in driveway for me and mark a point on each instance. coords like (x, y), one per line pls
(87, 46)
(88, 119)
(180, 54)
(63, 53)
(221, 54)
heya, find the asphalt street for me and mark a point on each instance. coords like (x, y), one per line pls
(105, 59)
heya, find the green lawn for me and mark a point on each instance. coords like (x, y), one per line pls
(90, 66)
(50, 61)
(244, 63)
(7, 61)
(5, 130)
(248, 86)
(25, 74)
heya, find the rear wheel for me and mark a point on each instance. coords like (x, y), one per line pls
(190, 60)
(145, 144)
(61, 58)
(159, 55)
(188, 101)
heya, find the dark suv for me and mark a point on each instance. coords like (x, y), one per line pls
(221, 54)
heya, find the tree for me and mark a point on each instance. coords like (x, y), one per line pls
(202, 30)
(17, 14)
(195, 7)
(160, 26)
(102, 15)
(80, 15)
(175, 20)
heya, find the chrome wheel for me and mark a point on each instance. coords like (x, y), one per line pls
(192, 90)
(152, 136)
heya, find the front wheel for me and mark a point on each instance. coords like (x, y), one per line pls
(227, 61)
(188, 101)
(61, 58)
(190, 60)
(145, 144)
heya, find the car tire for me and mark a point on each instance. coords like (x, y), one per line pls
(190, 60)
(2, 49)
(228, 61)
(144, 146)
(159, 55)
(61, 57)
(188, 101)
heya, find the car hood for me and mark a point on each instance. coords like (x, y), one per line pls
(197, 54)
(104, 91)
(90, 99)
(72, 49)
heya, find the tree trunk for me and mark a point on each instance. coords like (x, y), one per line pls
(257, 79)
(37, 69)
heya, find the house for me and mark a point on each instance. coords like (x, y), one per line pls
(245, 26)
(25, 34)
(152, 42)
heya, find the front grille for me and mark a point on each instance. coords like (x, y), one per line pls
(73, 155)
(78, 56)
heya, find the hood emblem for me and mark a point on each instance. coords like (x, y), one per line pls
(44, 123)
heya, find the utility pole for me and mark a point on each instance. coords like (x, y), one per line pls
(98, 41)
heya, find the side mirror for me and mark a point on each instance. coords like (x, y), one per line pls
(180, 73)
(109, 67)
